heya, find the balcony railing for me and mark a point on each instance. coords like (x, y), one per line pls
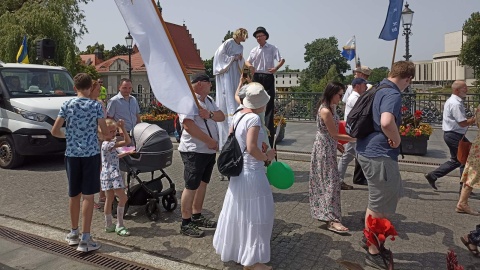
(302, 106)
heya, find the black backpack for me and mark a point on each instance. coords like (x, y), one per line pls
(230, 160)
(360, 119)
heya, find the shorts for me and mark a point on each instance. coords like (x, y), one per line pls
(113, 183)
(197, 167)
(385, 187)
(83, 175)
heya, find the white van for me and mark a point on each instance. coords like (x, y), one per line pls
(30, 99)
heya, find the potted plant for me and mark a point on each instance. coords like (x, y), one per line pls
(159, 115)
(414, 133)
(280, 120)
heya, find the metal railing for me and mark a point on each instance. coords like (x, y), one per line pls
(302, 106)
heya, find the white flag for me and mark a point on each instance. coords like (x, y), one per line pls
(165, 74)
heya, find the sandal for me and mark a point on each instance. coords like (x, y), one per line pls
(111, 228)
(122, 231)
(346, 186)
(469, 245)
(465, 209)
(337, 227)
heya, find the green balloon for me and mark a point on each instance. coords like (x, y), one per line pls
(280, 175)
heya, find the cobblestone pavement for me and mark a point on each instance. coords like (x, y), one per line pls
(426, 221)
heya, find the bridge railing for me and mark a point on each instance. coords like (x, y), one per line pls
(302, 106)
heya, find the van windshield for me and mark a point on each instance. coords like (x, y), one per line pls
(23, 82)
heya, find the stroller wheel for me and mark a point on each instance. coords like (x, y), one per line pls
(169, 202)
(152, 210)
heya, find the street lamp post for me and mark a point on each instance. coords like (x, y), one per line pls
(407, 17)
(129, 41)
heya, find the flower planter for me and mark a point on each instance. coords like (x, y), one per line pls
(414, 145)
(167, 125)
(281, 134)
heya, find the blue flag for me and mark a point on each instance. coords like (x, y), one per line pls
(349, 49)
(22, 55)
(391, 27)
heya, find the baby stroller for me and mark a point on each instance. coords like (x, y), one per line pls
(154, 151)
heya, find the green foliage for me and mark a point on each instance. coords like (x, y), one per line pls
(470, 53)
(378, 74)
(321, 55)
(209, 70)
(331, 76)
(348, 79)
(288, 69)
(60, 20)
(227, 36)
(107, 54)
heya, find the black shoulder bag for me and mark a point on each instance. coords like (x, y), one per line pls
(230, 160)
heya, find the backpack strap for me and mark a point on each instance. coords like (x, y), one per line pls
(235, 126)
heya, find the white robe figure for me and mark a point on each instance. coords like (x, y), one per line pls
(227, 73)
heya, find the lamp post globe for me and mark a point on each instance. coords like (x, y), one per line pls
(129, 41)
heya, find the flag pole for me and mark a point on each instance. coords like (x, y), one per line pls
(176, 53)
(394, 51)
(356, 51)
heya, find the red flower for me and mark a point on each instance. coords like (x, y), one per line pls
(404, 109)
(378, 231)
(417, 114)
(404, 134)
(418, 133)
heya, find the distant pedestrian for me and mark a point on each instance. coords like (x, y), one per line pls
(378, 152)
(246, 221)
(262, 66)
(82, 157)
(325, 182)
(124, 106)
(228, 65)
(471, 173)
(359, 87)
(454, 126)
(111, 179)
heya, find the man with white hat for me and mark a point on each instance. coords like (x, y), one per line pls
(360, 72)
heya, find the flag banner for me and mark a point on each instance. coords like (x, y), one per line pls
(392, 22)
(349, 49)
(164, 71)
(22, 55)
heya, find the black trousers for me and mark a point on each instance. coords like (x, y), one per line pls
(358, 176)
(268, 82)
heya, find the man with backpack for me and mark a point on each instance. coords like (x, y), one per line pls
(198, 147)
(378, 151)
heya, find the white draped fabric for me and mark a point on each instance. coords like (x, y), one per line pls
(227, 73)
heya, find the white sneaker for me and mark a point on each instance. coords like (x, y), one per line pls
(72, 239)
(89, 245)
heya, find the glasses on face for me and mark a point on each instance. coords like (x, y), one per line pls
(258, 36)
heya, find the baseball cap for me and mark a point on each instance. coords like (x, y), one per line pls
(364, 69)
(200, 77)
(358, 81)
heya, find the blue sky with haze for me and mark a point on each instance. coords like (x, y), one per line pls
(292, 24)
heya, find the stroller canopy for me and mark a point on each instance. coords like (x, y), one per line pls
(150, 138)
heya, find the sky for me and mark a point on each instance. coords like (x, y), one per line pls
(292, 24)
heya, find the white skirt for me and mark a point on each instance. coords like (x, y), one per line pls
(245, 223)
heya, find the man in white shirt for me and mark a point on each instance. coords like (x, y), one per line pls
(262, 66)
(359, 86)
(454, 125)
(360, 72)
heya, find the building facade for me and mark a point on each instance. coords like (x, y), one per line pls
(445, 67)
(284, 80)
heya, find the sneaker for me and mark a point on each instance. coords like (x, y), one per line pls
(377, 261)
(204, 222)
(431, 180)
(72, 239)
(89, 245)
(191, 230)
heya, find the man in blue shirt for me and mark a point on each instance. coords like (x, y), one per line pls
(378, 152)
(124, 105)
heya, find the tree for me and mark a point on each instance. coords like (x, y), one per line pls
(470, 52)
(118, 50)
(378, 74)
(322, 54)
(209, 70)
(228, 35)
(331, 76)
(288, 69)
(60, 20)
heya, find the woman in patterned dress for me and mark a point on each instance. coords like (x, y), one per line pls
(325, 182)
(471, 176)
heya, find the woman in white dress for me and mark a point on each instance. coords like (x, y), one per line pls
(245, 223)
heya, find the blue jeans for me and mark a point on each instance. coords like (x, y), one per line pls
(451, 139)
